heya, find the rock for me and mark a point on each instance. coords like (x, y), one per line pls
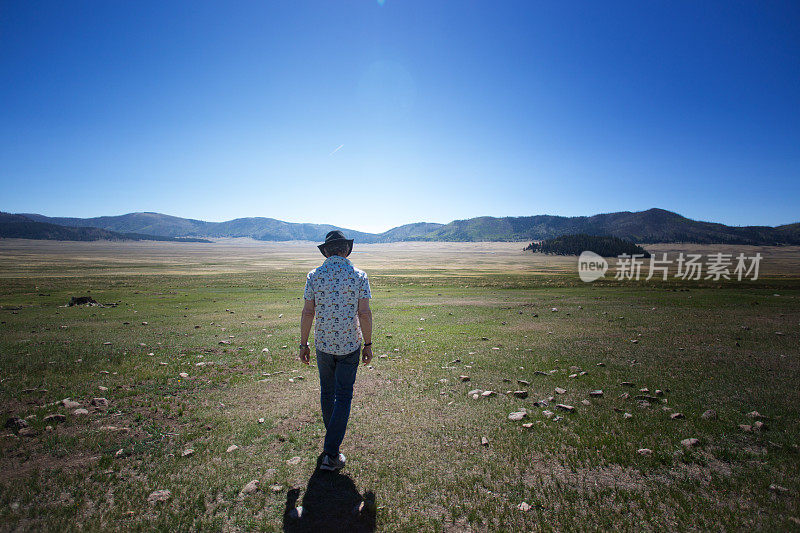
(463, 378)
(484, 441)
(522, 394)
(547, 414)
(82, 300)
(573, 376)
(260, 420)
(565, 407)
(746, 428)
(101, 388)
(527, 425)
(690, 443)
(554, 310)
(232, 448)
(758, 425)
(596, 393)
(601, 364)
(777, 488)
(29, 432)
(251, 487)
(643, 404)
(644, 451)
(586, 402)
(99, 402)
(58, 417)
(70, 404)
(16, 423)
(755, 414)
(159, 496)
(659, 392)
(626, 416)
(488, 393)
(265, 350)
(473, 392)
(627, 384)
(709, 415)
(517, 415)
(624, 396)
(559, 390)
(539, 373)
(676, 416)
(294, 461)
(524, 507)
(523, 382)
(184, 375)
(188, 452)
(276, 488)
(80, 412)
(224, 342)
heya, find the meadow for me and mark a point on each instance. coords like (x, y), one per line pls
(194, 351)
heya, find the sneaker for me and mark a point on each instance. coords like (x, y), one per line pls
(331, 464)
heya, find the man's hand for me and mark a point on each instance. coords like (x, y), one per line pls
(366, 354)
(305, 354)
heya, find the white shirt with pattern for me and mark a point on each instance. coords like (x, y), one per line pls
(335, 287)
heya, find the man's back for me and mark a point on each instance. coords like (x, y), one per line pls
(335, 287)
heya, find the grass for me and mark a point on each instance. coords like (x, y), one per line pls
(414, 437)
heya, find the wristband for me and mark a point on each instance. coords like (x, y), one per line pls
(368, 344)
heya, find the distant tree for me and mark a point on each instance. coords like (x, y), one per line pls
(603, 245)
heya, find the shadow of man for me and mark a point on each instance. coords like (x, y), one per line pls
(331, 503)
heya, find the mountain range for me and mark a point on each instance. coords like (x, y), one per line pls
(650, 226)
(22, 227)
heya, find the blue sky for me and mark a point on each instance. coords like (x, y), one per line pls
(370, 115)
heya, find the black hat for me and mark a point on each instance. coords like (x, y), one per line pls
(335, 236)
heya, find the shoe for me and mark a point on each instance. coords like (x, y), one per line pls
(329, 463)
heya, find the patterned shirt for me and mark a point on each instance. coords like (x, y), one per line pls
(335, 287)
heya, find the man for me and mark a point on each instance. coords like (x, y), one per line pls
(338, 295)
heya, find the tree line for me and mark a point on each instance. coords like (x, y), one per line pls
(603, 245)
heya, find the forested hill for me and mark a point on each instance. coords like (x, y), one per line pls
(651, 226)
(21, 227)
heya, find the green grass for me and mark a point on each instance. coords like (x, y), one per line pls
(414, 435)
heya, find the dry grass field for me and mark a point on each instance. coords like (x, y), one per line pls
(194, 354)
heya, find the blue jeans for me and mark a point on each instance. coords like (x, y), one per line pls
(337, 374)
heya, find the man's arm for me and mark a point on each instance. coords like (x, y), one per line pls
(365, 319)
(306, 319)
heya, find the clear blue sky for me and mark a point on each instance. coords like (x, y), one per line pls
(373, 114)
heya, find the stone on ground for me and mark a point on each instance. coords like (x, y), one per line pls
(70, 404)
(159, 496)
(251, 487)
(709, 415)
